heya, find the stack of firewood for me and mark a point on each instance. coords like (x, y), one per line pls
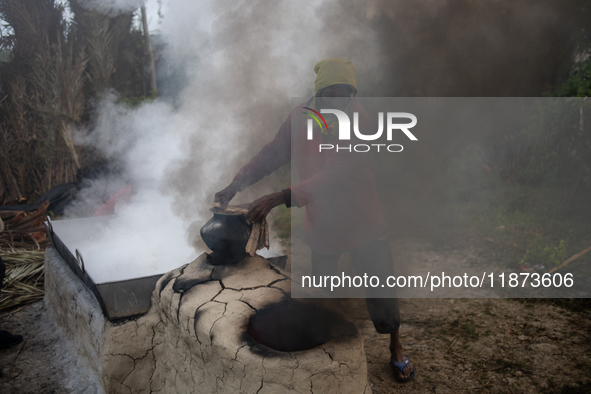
(24, 230)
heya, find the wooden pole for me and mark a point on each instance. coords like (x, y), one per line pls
(572, 258)
(153, 87)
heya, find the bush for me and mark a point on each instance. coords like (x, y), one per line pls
(542, 254)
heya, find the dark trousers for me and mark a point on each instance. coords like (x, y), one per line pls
(374, 259)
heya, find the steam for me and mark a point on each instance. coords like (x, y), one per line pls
(242, 64)
(242, 61)
(145, 237)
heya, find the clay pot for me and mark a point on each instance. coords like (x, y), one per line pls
(227, 236)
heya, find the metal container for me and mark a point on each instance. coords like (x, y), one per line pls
(118, 299)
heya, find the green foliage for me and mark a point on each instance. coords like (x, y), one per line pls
(578, 83)
(281, 222)
(136, 101)
(287, 223)
(548, 255)
(557, 143)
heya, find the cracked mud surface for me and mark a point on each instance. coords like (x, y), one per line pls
(456, 345)
(205, 312)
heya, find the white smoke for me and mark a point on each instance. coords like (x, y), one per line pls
(243, 61)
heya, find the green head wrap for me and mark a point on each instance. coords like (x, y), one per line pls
(335, 71)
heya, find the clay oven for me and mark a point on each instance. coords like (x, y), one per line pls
(210, 328)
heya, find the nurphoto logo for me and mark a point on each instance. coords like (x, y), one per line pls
(344, 130)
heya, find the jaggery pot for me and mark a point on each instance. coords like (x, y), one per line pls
(226, 235)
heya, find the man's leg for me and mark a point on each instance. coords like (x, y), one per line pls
(325, 264)
(375, 258)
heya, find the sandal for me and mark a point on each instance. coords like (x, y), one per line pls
(400, 366)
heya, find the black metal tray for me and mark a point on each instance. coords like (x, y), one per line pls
(124, 298)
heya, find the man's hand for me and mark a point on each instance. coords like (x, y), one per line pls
(261, 207)
(225, 196)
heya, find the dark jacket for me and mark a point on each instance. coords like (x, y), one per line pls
(338, 189)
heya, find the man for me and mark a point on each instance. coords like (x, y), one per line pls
(338, 190)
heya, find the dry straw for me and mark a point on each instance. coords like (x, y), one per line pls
(23, 283)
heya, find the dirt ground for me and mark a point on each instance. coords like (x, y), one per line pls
(42, 363)
(456, 345)
(484, 345)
